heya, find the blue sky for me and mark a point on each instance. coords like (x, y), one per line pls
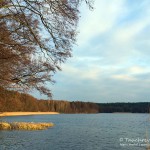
(111, 61)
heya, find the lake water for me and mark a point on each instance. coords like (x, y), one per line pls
(80, 132)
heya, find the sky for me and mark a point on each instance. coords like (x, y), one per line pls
(111, 59)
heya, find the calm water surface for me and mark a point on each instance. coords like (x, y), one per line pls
(80, 132)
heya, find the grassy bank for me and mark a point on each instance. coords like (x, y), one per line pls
(24, 126)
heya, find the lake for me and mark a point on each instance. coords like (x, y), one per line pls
(80, 132)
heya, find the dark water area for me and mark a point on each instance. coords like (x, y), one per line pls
(80, 132)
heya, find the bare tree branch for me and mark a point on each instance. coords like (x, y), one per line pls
(35, 38)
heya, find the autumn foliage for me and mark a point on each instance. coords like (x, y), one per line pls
(12, 101)
(35, 38)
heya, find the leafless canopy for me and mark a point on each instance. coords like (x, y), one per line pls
(36, 36)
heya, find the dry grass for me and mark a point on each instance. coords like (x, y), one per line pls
(5, 126)
(24, 126)
(3, 114)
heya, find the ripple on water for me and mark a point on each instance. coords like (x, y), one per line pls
(76, 132)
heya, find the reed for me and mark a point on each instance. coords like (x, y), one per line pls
(24, 126)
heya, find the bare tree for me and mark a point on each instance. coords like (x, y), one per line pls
(36, 36)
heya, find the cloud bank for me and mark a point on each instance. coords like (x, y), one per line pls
(111, 62)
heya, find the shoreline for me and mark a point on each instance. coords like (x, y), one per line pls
(4, 114)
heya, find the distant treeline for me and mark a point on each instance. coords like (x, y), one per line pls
(141, 107)
(14, 101)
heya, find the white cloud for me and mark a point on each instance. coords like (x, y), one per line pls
(131, 30)
(118, 42)
(123, 77)
(138, 70)
(89, 73)
(100, 20)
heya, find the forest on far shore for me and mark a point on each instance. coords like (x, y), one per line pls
(12, 101)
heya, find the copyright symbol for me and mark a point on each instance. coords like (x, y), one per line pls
(121, 139)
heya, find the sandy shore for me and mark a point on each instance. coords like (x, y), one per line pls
(3, 114)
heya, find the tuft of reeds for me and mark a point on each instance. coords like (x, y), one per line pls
(5, 126)
(24, 126)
